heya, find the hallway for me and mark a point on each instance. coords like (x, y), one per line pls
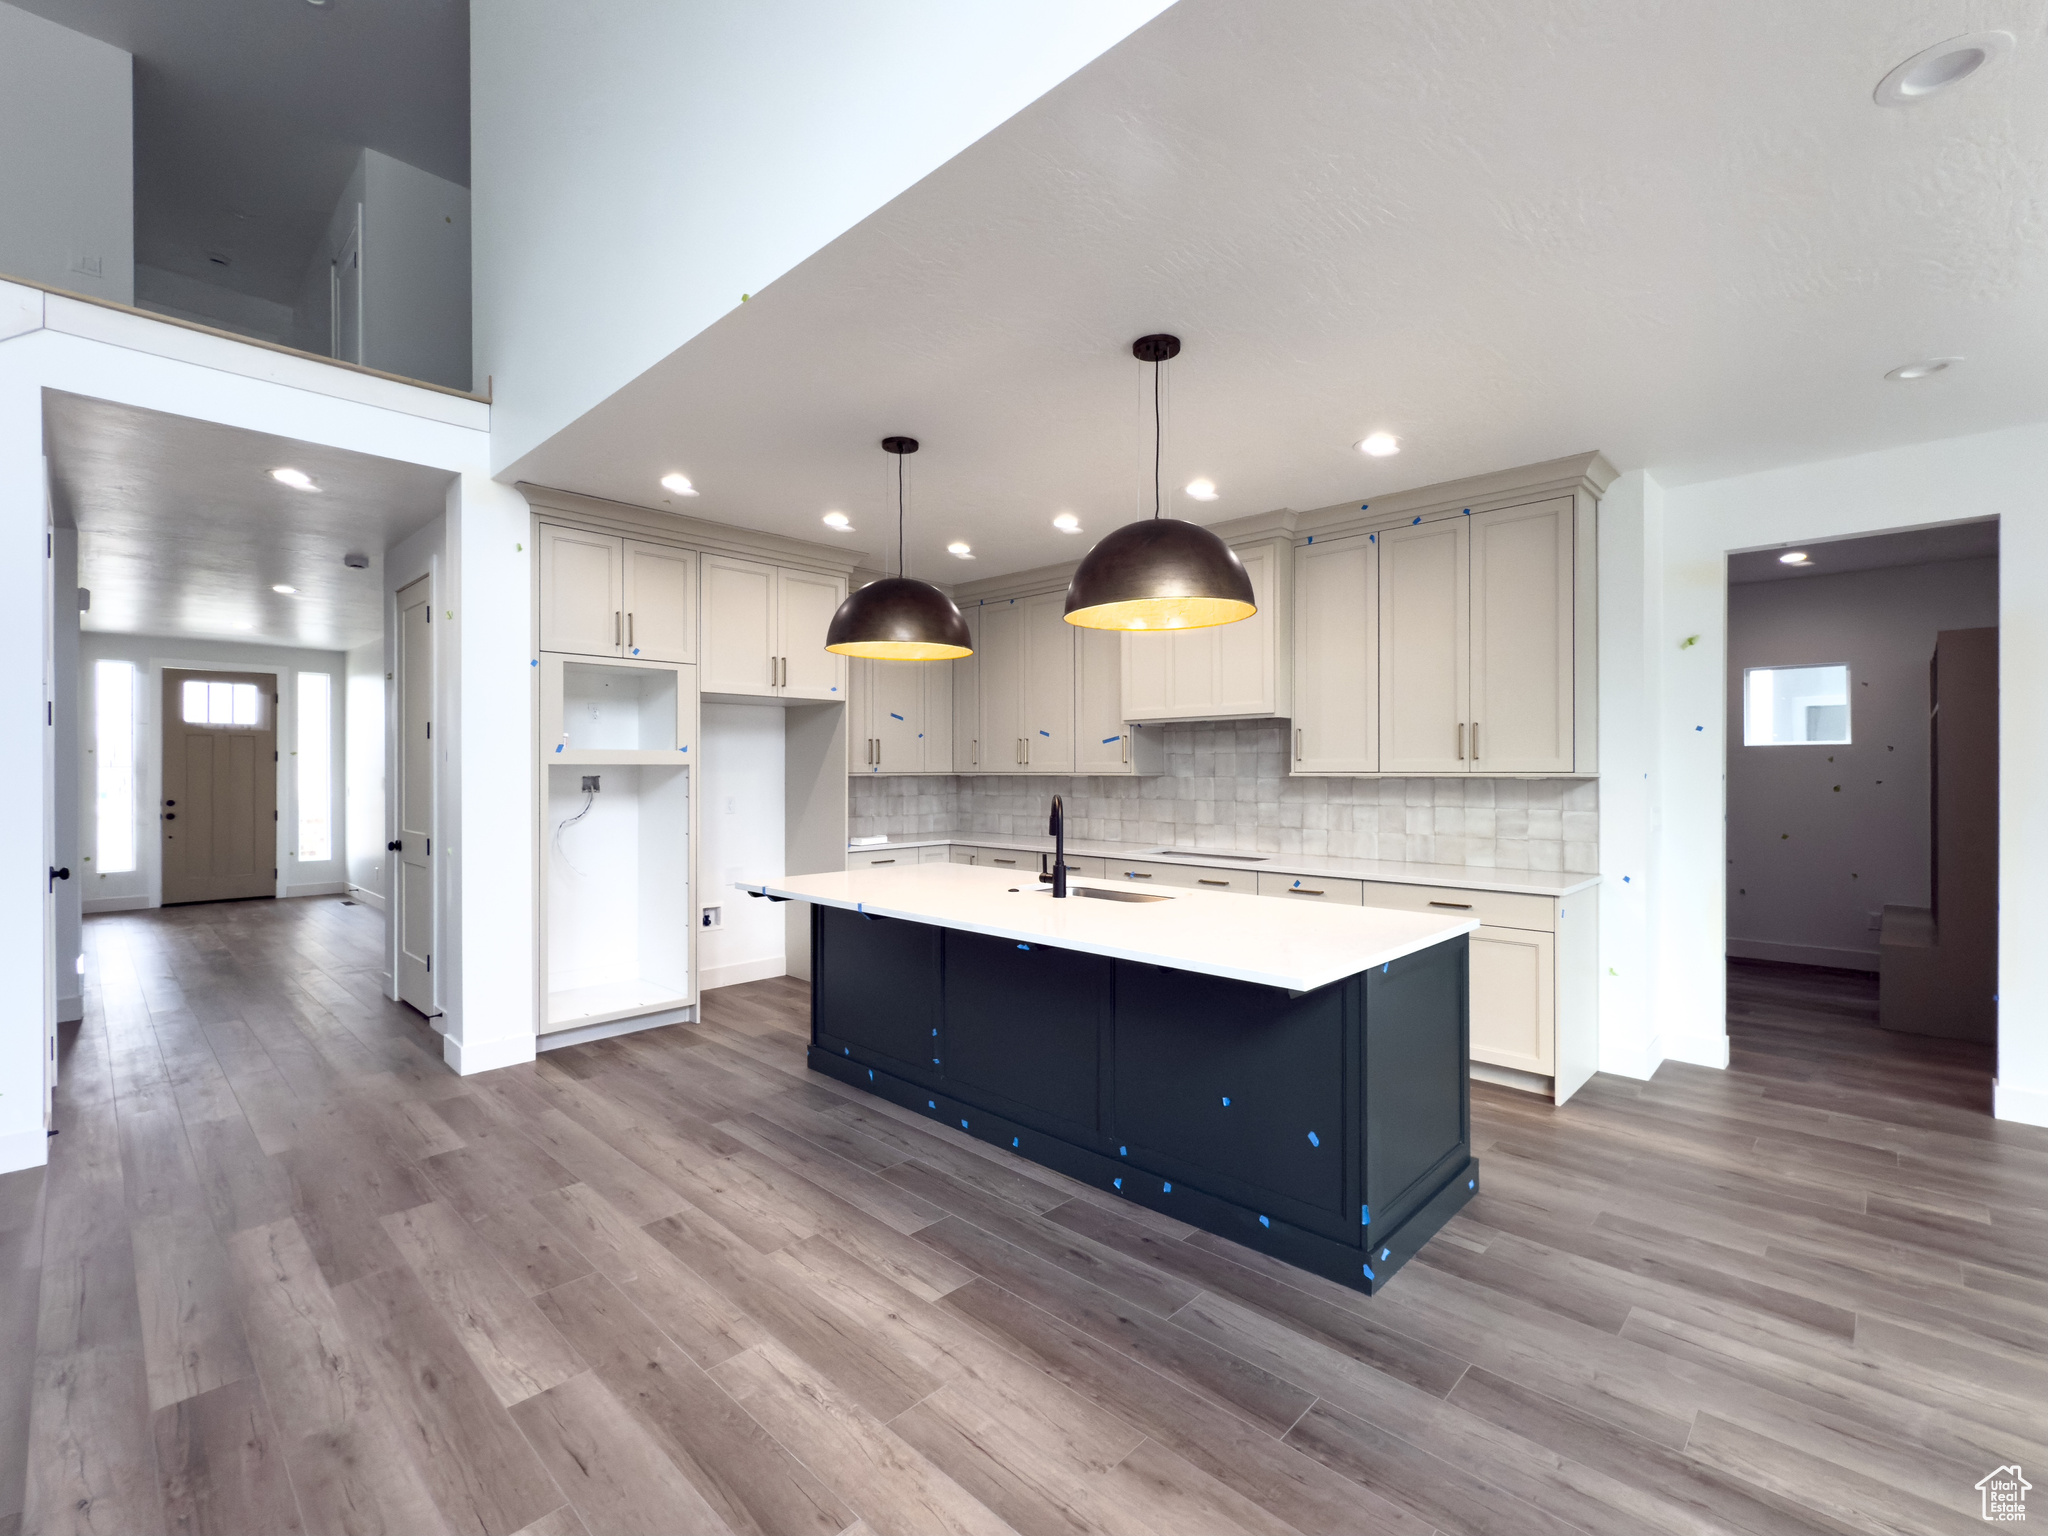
(295, 1275)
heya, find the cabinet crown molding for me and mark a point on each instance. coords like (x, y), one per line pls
(623, 517)
(1587, 474)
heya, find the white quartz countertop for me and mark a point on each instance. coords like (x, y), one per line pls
(1464, 877)
(1260, 939)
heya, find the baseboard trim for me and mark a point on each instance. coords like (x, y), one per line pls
(115, 904)
(1803, 954)
(1698, 1050)
(486, 1055)
(1514, 1077)
(367, 897)
(317, 888)
(741, 971)
(24, 1149)
(2025, 1106)
(71, 1009)
(556, 1039)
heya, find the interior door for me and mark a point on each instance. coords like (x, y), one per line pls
(661, 602)
(415, 797)
(1336, 661)
(219, 811)
(739, 627)
(896, 714)
(347, 296)
(580, 606)
(1522, 639)
(1048, 684)
(1002, 688)
(1102, 741)
(805, 603)
(1425, 624)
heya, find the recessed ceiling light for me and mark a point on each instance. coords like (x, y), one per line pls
(297, 479)
(1925, 368)
(281, 587)
(838, 520)
(1937, 68)
(960, 551)
(1794, 557)
(1066, 522)
(1380, 444)
(679, 484)
(1202, 490)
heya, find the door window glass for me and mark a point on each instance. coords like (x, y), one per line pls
(213, 703)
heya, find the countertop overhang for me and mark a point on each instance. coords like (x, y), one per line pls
(1265, 940)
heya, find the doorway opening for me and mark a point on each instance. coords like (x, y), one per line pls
(1863, 806)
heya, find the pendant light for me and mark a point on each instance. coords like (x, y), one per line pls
(1165, 573)
(897, 619)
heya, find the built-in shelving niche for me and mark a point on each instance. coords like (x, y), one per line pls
(616, 711)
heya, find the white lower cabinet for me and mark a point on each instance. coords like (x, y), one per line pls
(1514, 999)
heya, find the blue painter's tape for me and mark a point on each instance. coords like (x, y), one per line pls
(1471, 1183)
(846, 1050)
(1013, 1141)
(1110, 741)
(920, 735)
(1365, 1215)
(928, 1104)
(1166, 1190)
(1119, 1183)
(558, 746)
(894, 716)
(1699, 727)
(682, 749)
(1265, 1221)
(863, 911)
(1624, 879)
(1414, 521)
(963, 1125)
(636, 650)
(935, 1061)
(1372, 538)
(871, 1074)
(1123, 1151)
(935, 1034)
(1368, 1270)
(1365, 506)
(1297, 885)
(1386, 968)
(536, 661)
(1468, 511)
(835, 687)
(1226, 1101)
(1314, 1140)
(1385, 1254)
(1046, 734)
(1024, 946)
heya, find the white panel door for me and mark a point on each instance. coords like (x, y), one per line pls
(738, 631)
(414, 888)
(1514, 999)
(1336, 657)
(896, 714)
(1048, 684)
(1102, 740)
(805, 602)
(661, 602)
(580, 607)
(966, 675)
(1242, 673)
(1424, 642)
(1522, 639)
(1002, 688)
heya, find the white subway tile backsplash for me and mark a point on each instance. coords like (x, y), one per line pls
(1225, 789)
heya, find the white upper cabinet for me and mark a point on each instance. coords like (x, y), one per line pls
(1002, 687)
(763, 631)
(1521, 709)
(1048, 683)
(1227, 671)
(1336, 656)
(580, 606)
(1425, 647)
(1103, 743)
(966, 674)
(901, 717)
(660, 599)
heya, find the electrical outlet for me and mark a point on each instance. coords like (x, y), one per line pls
(714, 917)
(590, 784)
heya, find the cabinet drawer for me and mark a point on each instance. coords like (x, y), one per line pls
(1142, 872)
(881, 858)
(1006, 858)
(935, 854)
(1498, 909)
(956, 854)
(1349, 893)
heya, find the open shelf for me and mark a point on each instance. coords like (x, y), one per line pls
(600, 1003)
(615, 711)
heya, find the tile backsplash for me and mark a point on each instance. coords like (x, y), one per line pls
(1226, 787)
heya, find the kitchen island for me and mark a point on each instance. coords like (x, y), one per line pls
(1289, 1077)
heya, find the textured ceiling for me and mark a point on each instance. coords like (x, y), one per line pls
(1503, 230)
(181, 530)
(248, 117)
(1917, 546)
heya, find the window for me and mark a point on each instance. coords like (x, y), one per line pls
(209, 703)
(1795, 706)
(316, 767)
(113, 716)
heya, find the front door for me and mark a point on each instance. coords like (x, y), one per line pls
(219, 811)
(414, 886)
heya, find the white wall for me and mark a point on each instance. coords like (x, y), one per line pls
(150, 655)
(67, 159)
(363, 713)
(415, 272)
(639, 165)
(1663, 716)
(1820, 838)
(739, 827)
(187, 298)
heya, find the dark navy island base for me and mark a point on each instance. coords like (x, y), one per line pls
(1330, 1129)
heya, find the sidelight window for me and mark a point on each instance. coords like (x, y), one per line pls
(315, 754)
(113, 709)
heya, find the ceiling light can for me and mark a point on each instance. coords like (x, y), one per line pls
(678, 485)
(1922, 368)
(1202, 490)
(297, 479)
(1379, 444)
(1066, 522)
(1935, 69)
(1793, 557)
(281, 587)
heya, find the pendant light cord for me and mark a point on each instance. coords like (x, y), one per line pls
(900, 571)
(1157, 433)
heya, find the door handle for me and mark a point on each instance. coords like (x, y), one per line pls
(1461, 741)
(395, 847)
(59, 874)
(170, 815)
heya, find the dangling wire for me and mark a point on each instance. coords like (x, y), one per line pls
(589, 799)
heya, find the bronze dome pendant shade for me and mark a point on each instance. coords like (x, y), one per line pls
(897, 619)
(1163, 573)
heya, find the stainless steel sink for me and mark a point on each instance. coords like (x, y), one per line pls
(1205, 856)
(1095, 894)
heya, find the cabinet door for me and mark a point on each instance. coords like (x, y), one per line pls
(1102, 740)
(1522, 639)
(738, 635)
(1024, 1026)
(1048, 684)
(1148, 675)
(967, 756)
(805, 603)
(935, 735)
(1242, 674)
(896, 714)
(661, 602)
(1336, 657)
(1002, 688)
(579, 592)
(1514, 999)
(1424, 647)
(860, 732)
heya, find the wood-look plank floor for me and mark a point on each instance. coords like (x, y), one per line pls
(286, 1273)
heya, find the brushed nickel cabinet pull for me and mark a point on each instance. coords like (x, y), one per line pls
(1461, 741)
(1127, 746)
(872, 863)
(1201, 881)
(615, 626)
(1456, 906)
(974, 752)
(1002, 861)
(1475, 741)
(1297, 743)
(1137, 874)
(1299, 890)
(629, 631)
